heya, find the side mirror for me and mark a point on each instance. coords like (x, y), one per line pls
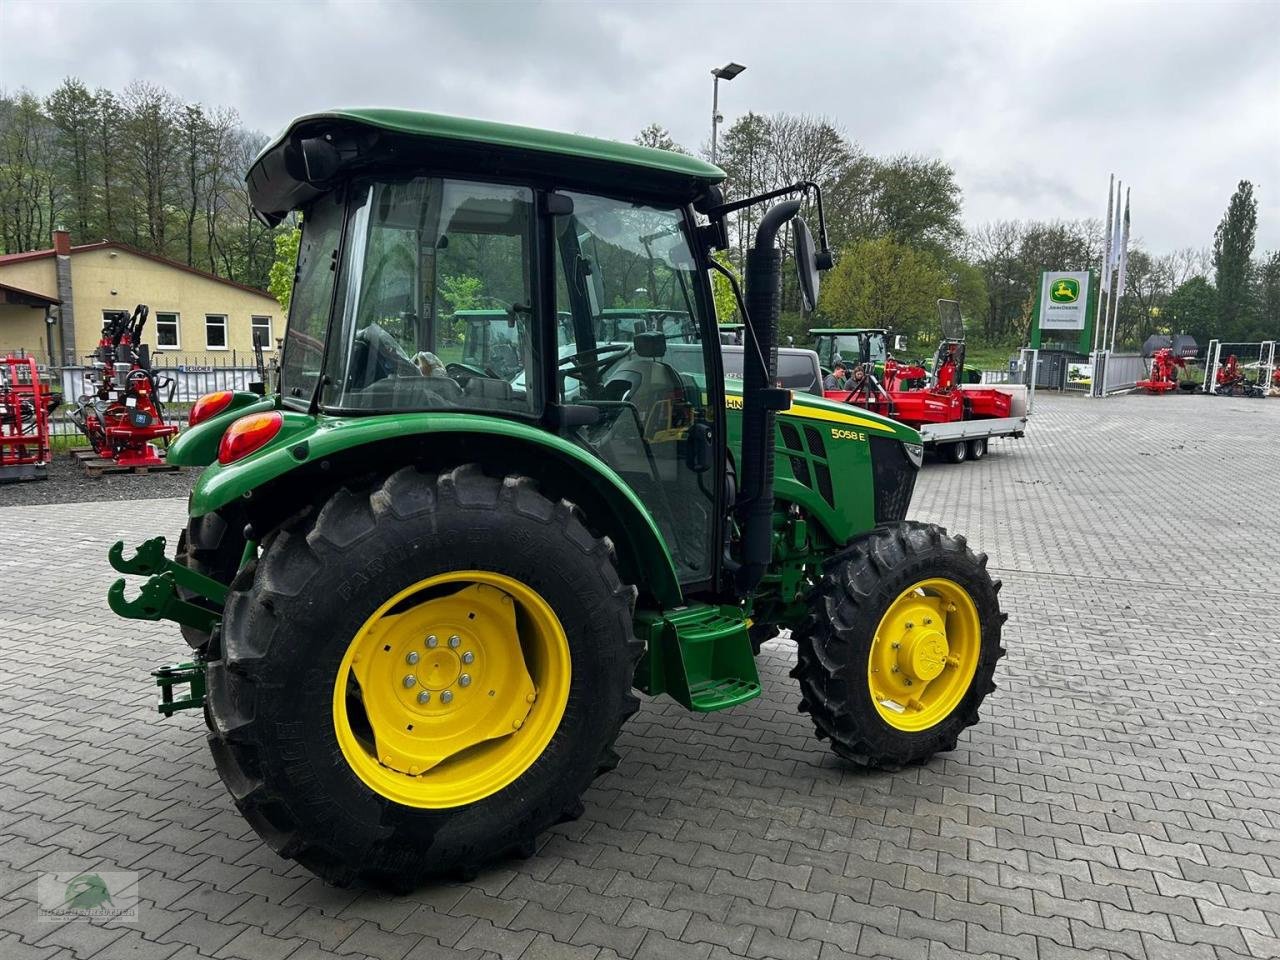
(320, 159)
(899, 343)
(806, 263)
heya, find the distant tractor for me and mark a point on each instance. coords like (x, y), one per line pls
(420, 594)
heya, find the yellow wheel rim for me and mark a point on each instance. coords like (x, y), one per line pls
(452, 689)
(924, 654)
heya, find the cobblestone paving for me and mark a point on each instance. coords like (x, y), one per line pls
(1121, 797)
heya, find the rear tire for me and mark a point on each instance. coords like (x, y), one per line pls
(287, 637)
(211, 546)
(850, 623)
(977, 448)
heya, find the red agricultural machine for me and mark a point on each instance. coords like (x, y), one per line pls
(955, 418)
(122, 415)
(25, 406)
(1231, 380)
(1163, 376)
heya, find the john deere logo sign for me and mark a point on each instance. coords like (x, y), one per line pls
(1062, 301)
(1065, 290)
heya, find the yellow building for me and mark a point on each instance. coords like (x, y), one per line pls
(52, 302)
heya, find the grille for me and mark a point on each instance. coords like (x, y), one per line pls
(790, 436)
(895, 479)
(800, 467)
(816, 446)
(824, 483)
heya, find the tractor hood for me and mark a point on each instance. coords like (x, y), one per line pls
(318, 150)
(806, 406)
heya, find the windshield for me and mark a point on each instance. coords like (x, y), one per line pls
(434, 304)
(848, 347)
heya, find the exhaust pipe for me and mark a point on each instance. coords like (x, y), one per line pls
(760, 398)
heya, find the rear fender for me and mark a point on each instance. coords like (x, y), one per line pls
(312, 455)
(198, 446)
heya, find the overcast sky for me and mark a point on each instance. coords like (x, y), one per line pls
(1032, 104)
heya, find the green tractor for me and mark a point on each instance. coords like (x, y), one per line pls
(420, 595)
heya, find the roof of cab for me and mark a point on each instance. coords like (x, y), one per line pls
(578, 157)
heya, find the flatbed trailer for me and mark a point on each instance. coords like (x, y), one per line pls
(961, 440)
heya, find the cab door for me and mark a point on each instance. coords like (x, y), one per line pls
(639, 350)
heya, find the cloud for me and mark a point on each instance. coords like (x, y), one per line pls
(1034, 104)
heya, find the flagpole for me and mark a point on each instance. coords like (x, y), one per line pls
(1124, 263)
(1100, 315)
(1108, 333)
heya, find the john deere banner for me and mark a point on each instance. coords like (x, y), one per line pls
(1062, 313)
(1064, 301)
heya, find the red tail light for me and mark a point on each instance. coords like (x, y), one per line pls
(209, 405)
(249, 434)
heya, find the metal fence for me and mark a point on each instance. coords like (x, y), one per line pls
(191, 376)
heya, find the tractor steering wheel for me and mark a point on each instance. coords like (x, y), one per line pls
(573, 366)
(465, 371)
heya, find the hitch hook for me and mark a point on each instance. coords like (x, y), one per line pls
(149, 558)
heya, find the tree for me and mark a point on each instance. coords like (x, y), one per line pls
(1232, 251)
(285, 266)
(152, 160)
(722, 290)
(1193, 308)
(73, 109)
(882, 283)
(659, 138)
(1268, 297)
(31, 193)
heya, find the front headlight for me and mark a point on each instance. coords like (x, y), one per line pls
(915, 453)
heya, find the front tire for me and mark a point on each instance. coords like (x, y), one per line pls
(957, 452)
(311, 695)
(900, 645)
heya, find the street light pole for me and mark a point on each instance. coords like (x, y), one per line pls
(727, 72)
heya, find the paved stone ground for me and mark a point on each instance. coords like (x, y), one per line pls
(1121, 797)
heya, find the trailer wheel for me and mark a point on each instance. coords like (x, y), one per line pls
(421, 677)
(977, 448)
(900, 645)
(957, 452)
(209, 545)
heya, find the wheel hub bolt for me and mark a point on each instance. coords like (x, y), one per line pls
(464, 680)
(409, 680)
(897, 646)
(411, 658)
(468, 657)
(910, 625)
(446, 697)
(424, 696)
(928, 620)
(455, 641)
(432, 641)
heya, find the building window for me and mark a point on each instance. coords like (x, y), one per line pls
(215, 331)
(261, 327)
(167, 331)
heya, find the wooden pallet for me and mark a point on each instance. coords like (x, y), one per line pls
(95, 467)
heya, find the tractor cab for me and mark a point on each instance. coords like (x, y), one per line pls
(852, 346)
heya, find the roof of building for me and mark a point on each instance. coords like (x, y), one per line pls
(278, 178)
(8, 258)
(12, 294)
